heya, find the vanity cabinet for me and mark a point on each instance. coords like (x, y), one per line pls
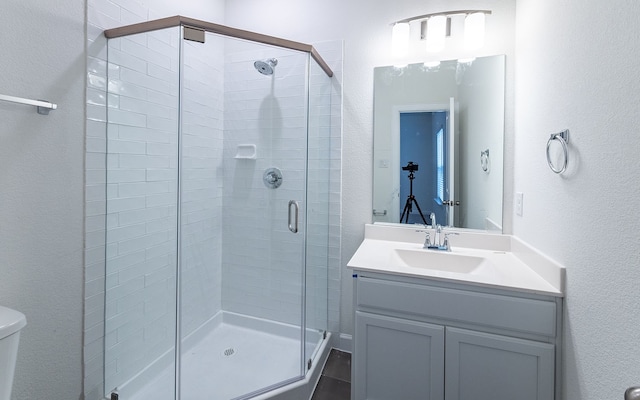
(426, 339)
(398, 358)
(485, 366)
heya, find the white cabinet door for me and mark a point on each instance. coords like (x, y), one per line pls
(397, 359)
(482, 366)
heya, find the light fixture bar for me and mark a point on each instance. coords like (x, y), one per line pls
(445, 13)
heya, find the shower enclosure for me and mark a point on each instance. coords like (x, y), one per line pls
(217, 212)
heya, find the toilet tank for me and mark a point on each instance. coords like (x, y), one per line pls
(11, 321)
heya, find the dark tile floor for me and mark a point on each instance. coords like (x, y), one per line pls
(335, 382)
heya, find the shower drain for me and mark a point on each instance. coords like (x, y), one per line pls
(229, 352)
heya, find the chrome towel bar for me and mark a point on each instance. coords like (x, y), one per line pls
(43, 107)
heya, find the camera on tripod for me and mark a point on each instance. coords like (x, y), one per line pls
(410, 167)
(411, 199)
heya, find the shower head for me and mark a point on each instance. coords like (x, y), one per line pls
(265, 67)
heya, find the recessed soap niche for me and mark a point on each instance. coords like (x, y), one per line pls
(246, 151)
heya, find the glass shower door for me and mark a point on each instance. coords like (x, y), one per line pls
(318, 189)
(244, 159)
(141, 215)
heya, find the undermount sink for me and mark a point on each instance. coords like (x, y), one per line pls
(435, 260)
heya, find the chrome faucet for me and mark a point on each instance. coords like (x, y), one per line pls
(440, 238)
(433, 220)
(440, 241)
(437, 240)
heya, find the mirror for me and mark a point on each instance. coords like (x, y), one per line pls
(438, 143)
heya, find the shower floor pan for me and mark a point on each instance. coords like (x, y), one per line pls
(232, 356)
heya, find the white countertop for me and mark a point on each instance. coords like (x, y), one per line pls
(511, 264)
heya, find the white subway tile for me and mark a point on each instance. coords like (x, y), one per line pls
(124, 88)
(135, 8)
(124, 59)
(120, 117)
(162, 124)
(143, 215)
(124, 233)
(125, 204)
(142, 242)
(161, 174)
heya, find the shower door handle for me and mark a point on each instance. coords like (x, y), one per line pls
(293, 205)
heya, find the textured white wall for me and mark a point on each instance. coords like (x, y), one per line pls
(577, 69)
(364, 27)
(41, 192)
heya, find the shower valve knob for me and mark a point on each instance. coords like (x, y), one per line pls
(272, 178)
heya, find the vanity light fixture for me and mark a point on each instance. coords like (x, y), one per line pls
(436, 32)
(435, 27)
(400, 39)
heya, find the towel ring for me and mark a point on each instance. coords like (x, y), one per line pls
(563, 138)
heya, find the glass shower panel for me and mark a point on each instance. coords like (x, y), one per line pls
(201, 196)
(141, 215)
(244, 158)
(317, 245)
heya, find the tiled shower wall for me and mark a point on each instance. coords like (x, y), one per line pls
(202, 180)
(262, 274)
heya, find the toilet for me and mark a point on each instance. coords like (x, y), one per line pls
(11, 322)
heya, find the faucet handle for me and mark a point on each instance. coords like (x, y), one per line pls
(427, 240)
(446, 240)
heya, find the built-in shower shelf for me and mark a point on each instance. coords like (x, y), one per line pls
(246, 151)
